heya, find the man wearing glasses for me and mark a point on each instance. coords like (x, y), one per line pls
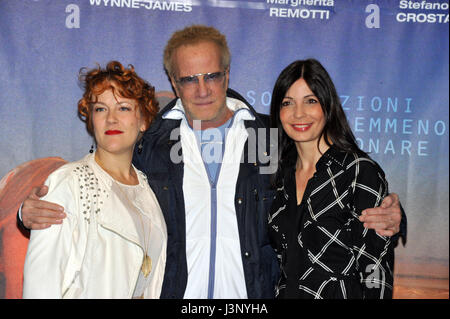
(219, 246)
(197, 157)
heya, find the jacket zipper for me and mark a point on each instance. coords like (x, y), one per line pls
(136, 275)
(213, 226)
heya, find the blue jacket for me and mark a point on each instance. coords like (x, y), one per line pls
(253, 199)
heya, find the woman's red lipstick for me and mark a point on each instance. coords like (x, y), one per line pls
(113, 132)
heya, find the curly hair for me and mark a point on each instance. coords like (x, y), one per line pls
(122, 81)
(191, 35)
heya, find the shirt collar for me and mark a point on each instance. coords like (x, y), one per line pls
(240, 110)
(333, 156)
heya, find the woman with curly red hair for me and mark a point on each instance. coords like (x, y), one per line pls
(113, 242)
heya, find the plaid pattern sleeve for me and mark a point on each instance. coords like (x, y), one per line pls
(373, 253)
(323, 249)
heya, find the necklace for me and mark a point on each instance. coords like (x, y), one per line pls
(146, 267)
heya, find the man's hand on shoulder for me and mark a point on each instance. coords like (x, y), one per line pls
(40, 214)
(386, 218)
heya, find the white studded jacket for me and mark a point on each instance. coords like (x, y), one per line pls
(97, 251)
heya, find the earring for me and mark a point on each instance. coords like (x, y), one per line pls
(140, 147)
(92, 149)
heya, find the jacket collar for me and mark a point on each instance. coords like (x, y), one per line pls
(240, 110)
(105, 177)
(333, 158)
(159, 122)
(117, 213)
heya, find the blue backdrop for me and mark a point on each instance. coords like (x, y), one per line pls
(389, 60)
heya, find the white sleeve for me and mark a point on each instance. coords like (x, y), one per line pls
(49, 249)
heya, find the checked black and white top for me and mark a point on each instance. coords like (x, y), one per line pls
(323, 249)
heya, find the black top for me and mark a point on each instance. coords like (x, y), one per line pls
(323, 249)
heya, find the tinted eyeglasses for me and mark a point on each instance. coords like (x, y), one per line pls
(209, 78)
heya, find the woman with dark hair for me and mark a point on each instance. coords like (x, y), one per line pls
(324, 182)
(113, 242)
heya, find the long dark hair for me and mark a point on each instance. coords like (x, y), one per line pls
(336, 129)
